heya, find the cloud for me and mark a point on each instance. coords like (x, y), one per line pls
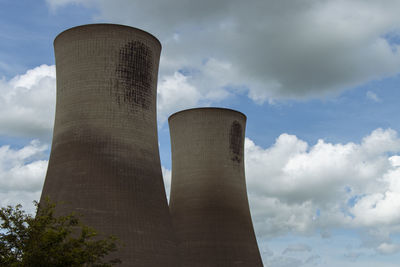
(281, 261)
(22, 173)
(174, 94)
(266, 252)
(27, 103)
(353, 256)
(313, 259)
(372, 96)
(299, 255)
(276, 49)
(54, 4)
(297, 248)
(387, 248)
(295, 187)
(189, 88)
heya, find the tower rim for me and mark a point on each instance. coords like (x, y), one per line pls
(189, 110)
(108, 25)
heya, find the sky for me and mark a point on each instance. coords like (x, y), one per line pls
(319, 83)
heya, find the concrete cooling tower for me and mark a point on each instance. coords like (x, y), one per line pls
(208, 201)
(104, 161)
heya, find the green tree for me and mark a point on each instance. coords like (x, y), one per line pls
(46, 240)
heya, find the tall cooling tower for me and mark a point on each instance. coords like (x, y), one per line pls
(104, 160)
(208, 201)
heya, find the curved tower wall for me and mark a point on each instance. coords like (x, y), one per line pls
(104, 161)
(208, 201)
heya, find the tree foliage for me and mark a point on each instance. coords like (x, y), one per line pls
(47, 240)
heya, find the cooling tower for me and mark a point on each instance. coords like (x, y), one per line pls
(208, 201)
(104, 161)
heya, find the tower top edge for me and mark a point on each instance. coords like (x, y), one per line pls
(207, 109)
(107, 25)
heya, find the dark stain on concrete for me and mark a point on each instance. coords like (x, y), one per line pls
(235, 141)
(134, 73)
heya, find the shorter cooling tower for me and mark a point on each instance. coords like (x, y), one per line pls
(208, 201)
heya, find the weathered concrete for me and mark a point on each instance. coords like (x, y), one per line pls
(104, 160)
(208, 202)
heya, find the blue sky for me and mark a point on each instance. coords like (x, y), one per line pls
(319, 83)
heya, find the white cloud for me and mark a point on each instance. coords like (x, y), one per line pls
(273, 217)
(174, 94)
(27, 103)
(266, 251)
(299, 255)
(377, 207)
(372, 96)
(297, 248)
(54, 4)
(277, 49)
(22, 173)
(299, 188)
(189, 88)
(353, 256)
(281, 261)
(313, 259)
(386, 248)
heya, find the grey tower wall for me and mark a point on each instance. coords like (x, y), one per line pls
(208, 201)
(104, 160)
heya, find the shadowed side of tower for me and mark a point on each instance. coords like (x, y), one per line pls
(104, 161)
(208, 201)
